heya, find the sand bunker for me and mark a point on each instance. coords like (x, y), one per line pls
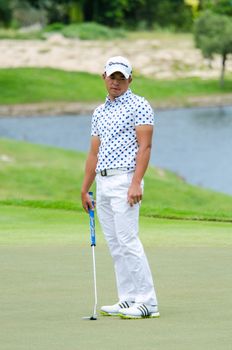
(155, 58)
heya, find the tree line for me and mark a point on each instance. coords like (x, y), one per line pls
(141, 14)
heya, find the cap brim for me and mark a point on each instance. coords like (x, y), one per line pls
(118, 68)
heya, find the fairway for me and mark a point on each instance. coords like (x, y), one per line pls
(46, 284)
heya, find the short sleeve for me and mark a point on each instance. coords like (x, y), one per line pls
(144, 113)
(94, 127)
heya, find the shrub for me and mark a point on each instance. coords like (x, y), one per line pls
(54, 27)
(91, 31)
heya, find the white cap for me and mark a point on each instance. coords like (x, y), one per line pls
(118, 64)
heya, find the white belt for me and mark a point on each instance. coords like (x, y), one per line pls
(117, 171)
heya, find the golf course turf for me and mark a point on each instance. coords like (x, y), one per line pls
(47, 284)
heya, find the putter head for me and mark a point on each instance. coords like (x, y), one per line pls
(91, 318)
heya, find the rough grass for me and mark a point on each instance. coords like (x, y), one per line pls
(47, 177)
(51, 85)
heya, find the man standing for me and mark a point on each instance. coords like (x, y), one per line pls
(121, 141)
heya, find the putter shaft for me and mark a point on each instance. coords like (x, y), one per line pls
(95, 282)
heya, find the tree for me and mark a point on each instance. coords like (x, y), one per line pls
(213, 35)
(136, 13)
(164, 13)
(174, 13)
(127, 13)
(5, 12)
(110, 13)
(68, 11)
(223, 7)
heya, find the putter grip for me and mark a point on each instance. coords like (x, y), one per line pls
(92, 222)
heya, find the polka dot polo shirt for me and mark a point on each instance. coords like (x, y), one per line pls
(114, 122)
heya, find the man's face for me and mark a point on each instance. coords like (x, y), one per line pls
(116, 84)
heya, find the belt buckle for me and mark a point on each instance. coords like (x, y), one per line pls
(104, 172)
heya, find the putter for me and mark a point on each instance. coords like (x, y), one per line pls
(93, 244)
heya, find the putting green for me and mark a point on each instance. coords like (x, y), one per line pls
(46, 284)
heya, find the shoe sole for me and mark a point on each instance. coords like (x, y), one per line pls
(104, 313)
(130, 317)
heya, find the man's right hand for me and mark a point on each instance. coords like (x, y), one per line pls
(86, 201)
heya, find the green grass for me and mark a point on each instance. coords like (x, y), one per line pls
(46, 177)
(93, 31)
(52, 85)
(46, 284)
(43, 85)
(165, 35)
(27, 227)
(14, 34)
(178, 89)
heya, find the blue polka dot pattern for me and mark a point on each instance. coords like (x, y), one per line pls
(114, 122)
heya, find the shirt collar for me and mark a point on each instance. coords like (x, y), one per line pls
(120, 98)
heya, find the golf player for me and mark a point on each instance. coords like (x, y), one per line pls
(121, 139)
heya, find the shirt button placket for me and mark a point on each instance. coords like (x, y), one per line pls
(111, 116)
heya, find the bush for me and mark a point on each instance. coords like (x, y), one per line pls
(54, 27)
(91, 31)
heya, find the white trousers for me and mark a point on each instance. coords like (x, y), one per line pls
(119, 222)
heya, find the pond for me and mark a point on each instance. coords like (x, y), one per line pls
(195, 143)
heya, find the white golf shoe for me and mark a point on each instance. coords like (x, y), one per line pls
(115, 310)
(140, 311)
